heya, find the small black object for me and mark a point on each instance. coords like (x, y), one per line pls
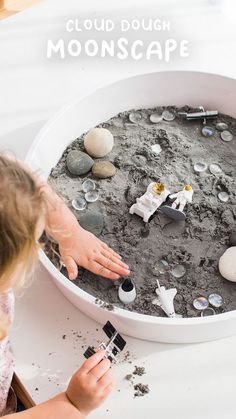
(109, 329)
(127, 285)
(119, 342)
(173, 213)
(115, 351)
(89, 352)
(112, 333)
(113, 347)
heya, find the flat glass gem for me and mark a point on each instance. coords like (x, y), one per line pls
(226, 136)
(215, 169)
(223, 196)
(161, 267)
(156, 148)
(135, 117)
(91, 196)
(208, 312)
(155, 118)
(178, 271)
(200, 167)
(207, 131)
(88, 185)
(79, 203)
(221, 126)
(216, 300)
(168, 116)
(200, 303)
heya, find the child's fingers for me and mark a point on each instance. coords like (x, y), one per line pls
(111, 266)
(100, 369)
(105, 380)
(71, 267)
(105, 246)
(114, 258)
(92, 361)
(108, 389)
(98, 269)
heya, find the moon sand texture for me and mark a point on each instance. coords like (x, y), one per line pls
(193, 246)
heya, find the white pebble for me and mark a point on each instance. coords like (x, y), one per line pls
(98, 142)
(156, 148)
(227, 264)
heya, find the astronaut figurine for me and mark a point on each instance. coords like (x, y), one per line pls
(148, 203)
(181, 199)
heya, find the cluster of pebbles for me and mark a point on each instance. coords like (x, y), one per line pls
(158, 145)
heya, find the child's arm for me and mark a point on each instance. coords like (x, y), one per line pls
(87, 389)
(57, 408)
(78, 246)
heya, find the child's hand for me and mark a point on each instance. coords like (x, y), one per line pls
(86, 250)
(91, 384)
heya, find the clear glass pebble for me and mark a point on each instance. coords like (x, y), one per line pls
(216, 300)
(88, 185)
(156, 148)
(162, 267)
(178, 271)
(155, 118)
(200, 167)
(215, 169)
(79, 203)
(135, 117)
(91, 196)
(223, 196)
(168, 116)
(226, 136)
(207, 131)
(200, 303)
(209, 311)
(221, 126)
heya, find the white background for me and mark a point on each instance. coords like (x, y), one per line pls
(186, 381)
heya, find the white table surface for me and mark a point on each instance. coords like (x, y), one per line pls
(186, 381)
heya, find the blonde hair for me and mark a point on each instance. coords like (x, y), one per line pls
(21, 206)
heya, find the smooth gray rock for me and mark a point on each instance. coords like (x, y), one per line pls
(92, 221)
(78, 163)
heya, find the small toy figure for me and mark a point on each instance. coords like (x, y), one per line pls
(148, 203)
(181, 200)
(127, 291)
(112, 348)
(182, 197)
(166, 300)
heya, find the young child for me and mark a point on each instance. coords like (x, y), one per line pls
(28, 207)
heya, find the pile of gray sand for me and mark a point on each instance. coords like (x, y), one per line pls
(196, 243)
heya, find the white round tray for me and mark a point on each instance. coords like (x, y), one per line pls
(148, 90)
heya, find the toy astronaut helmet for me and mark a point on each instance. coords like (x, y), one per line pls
(187, 187)
(158, 188)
